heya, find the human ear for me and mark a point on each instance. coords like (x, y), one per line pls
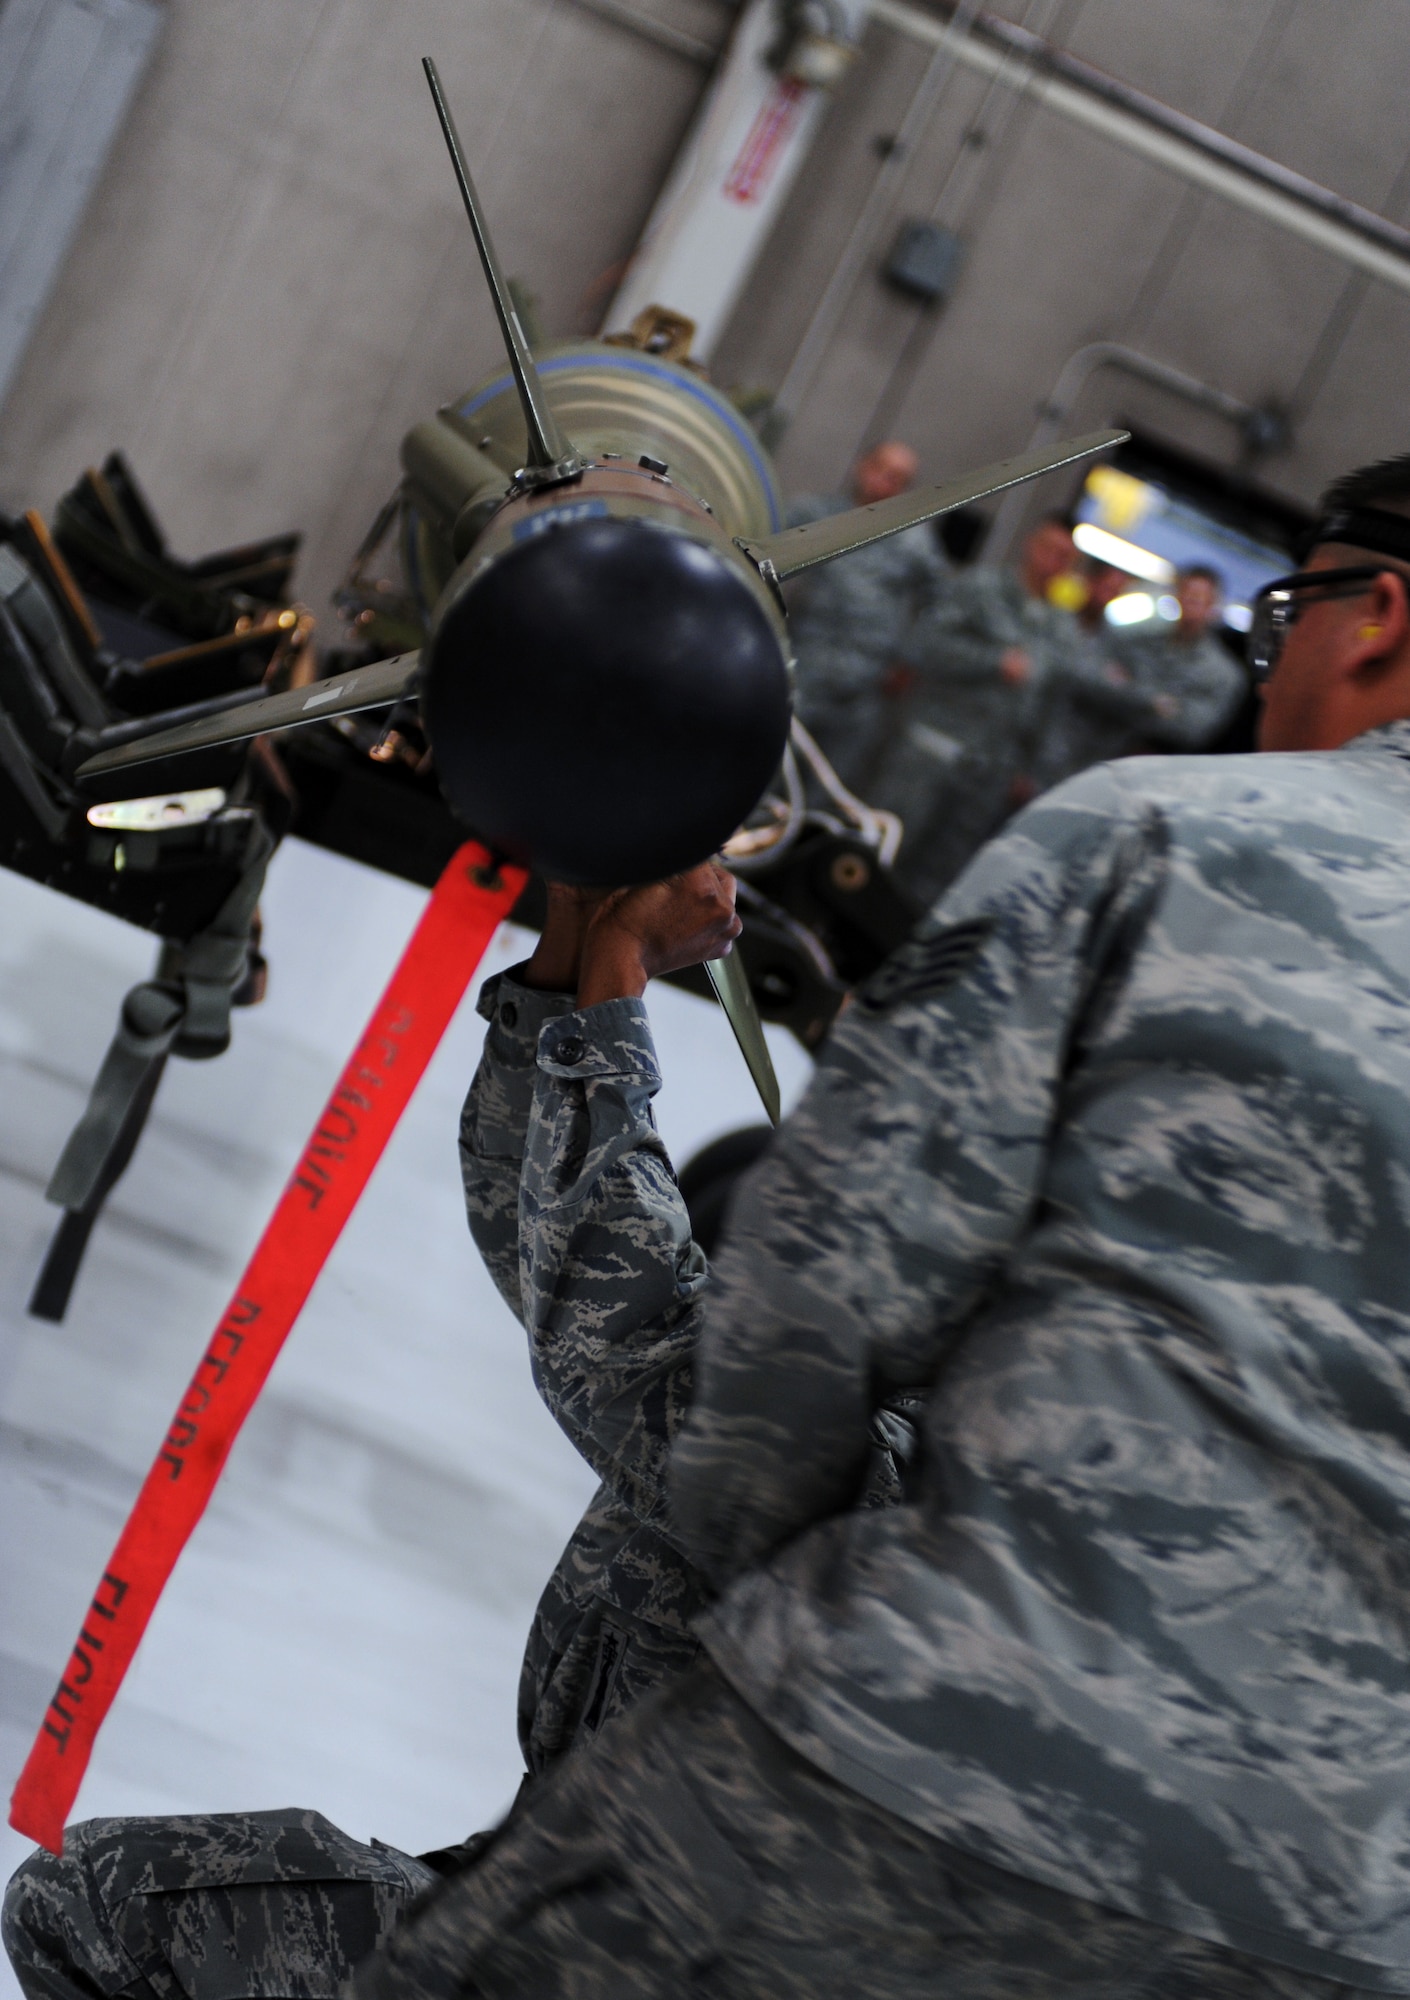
(1381, 632)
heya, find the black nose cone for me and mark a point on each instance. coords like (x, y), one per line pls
(607, 701)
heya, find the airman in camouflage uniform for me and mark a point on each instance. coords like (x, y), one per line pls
(284, 1903)
(847, 619)
(1118, 1151)
(1157, 687)
(574, 1206)
(963, 753)
(616, 1617)
(1115, 1154)
(1202, 685)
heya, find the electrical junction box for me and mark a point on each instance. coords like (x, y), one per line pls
(925, 261)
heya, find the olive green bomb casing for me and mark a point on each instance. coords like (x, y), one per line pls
(621, 405)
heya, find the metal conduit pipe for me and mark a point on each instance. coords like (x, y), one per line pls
(1077, 372)
(1143, 125)
(650, 29)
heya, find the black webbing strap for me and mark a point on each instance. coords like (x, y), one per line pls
(184, 1011)
(56, 1279)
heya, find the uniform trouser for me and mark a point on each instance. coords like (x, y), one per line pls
(688, 1851)
(278, 1904)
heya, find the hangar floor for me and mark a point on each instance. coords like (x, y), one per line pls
(344, 1630)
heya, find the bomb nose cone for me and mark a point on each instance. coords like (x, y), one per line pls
(607, 701)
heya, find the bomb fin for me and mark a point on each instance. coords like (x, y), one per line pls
(732, 990)
(381, 685)
(792, 549)
(551, 459)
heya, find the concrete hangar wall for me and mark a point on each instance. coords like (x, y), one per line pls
(1069, 239)
(274, 278)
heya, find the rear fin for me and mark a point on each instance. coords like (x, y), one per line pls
(378, 686)
(793, 549)
(733, 991)
(551, 459)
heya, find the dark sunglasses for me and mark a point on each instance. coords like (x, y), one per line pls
(1278, 606)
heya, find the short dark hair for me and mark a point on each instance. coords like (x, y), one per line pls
(1205, 570)
(1366, 509)
(1384, 484)
(1056, 517)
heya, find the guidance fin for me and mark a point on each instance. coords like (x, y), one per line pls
(732, 990)
(793, 549)
(551, 459)
(377, 686)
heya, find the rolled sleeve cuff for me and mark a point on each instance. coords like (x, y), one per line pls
(612, 1039)
(501, 1098)
(517, 1015)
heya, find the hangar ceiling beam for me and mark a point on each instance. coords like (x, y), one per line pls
(1078, 91)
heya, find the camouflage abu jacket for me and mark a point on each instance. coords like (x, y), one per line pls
(1165, 694)
(846, 621)
(966, 747)
(615, 1618)
(574, 1207)
(1116, 1156)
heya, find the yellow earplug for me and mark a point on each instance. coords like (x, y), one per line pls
(1369, 632)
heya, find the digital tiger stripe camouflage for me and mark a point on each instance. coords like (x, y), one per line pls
(847, 621)
(967, 746)
(573, 1204)
(1126, 692)
(1133, 1195)
(221, 1906)
(615, 1618)
(1115, 1168)
(689, 1851)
